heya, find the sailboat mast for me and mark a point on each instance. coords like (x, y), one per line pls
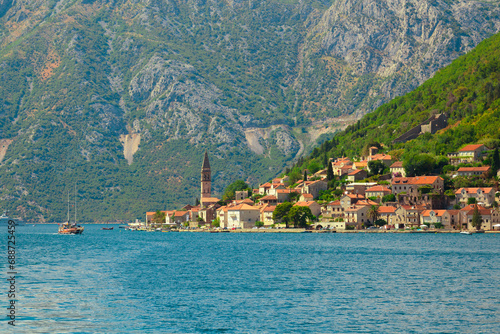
(75, 203)
(68, 206)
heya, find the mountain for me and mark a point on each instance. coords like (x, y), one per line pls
(467, 92)
(122, 98)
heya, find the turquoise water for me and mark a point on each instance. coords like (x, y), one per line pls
(137, 282)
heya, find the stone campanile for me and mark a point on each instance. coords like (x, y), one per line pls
(206, 178)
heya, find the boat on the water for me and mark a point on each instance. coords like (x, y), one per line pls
(68, 228)
(466, 232)
(4, 220)
(107, 228)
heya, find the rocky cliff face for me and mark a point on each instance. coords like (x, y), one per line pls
(379, 49)
(135, 91)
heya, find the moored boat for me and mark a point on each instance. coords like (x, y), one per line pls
(68, 228)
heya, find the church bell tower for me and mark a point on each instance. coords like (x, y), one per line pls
(206, 178)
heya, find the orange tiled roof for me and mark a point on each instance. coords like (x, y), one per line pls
(471, 147)
(386, 209)
(474, 190)
(304, 203)
(397, 164)
(246, 207)
(378, 189)
(417, 180)
(474, 169)
(427, 213)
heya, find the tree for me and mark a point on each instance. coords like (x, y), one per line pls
(216, 222)
(281, 211)
(471, 200)
(495, 162)
(373, 213)
(159, 218)
(376, 167)
(231, 189)
(259, 223)
(380, 222)
(305, 176)
(329, 172)
(418, 164)
(389, 198)
(300, 215)
(476, 218)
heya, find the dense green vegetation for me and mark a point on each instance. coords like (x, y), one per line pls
(467, 91)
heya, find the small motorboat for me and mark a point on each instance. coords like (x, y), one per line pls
(108, 228)
(466, 232)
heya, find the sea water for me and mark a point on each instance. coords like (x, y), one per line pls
(151, 282)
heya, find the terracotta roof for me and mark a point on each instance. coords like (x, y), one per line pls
(355, 208)
(265, 185)
(386, 209)
(307, 195)
(363, 163)
(378, 189)
(415, 180)
(268, 208)
(334, 203)
(268, 198)
(474, 169)
(304, 203)
(381, 156)
(245, 207)
(397, 164)
(355, 196)
(180, 213)
(356, 171)
(469, 148)
(246, 201)
(366, 202)
(469, 209)
(427, 213)
(287, 191)
(474, 190)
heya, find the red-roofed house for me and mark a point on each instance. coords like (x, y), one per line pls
(377, 191)
(306, 198)
(397, 169)
(483, 196)
(357, 175)
(470, 171)
(269, 199)
(266, 214)
(387, 213)
(408, 216)
(333, 210)
(467, 154)
(410, 185)
(489, 217)
(350, 199)
(432, 216)
(315, 207)
(242, 216)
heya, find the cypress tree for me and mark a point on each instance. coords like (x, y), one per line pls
(476, 218)
(495, 163)
(329, 172)
(305, 176)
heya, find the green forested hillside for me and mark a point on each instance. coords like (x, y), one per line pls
(254, 83)
(467, 91)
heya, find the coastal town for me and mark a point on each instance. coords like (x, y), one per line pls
(364, 200)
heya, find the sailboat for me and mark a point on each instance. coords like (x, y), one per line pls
(68, 227)
(108, 228)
